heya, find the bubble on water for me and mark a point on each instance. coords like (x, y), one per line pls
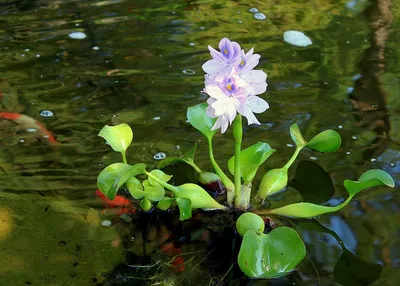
(159, 156)
(157, 118)
(175, 147)
(313, 158)
(77, 35)
(106, 223)
(27, 50)
(373, 160)
(188, 71)
(253, 10)
(240, 21)
(374, 105)
(348, 153)
(202, 28)
(340, 126)
(96, 48)
(354, 137)
(22, 140)
(392, 165)
(259, 16)
(38, 56)
(290, 145)
(31, 130)
(350, 89)
(46, 113)
(22, 55)
(192, 44)
(347, 42)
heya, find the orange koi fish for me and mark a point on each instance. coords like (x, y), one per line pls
(119, 204)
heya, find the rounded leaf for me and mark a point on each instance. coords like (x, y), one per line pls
(199, 197)
(369, 179)
(249, 221)
(326, 142)
(109, 177)
(165, 203)
(119, 137)
(159, 175)
(199, 119)
(146, 205)
(135, 188)
(270, 255)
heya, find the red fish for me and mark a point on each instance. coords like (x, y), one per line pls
(119, 204)
(28, 122)
(178, 264)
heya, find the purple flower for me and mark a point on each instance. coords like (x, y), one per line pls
(233, 85)
(223, 63)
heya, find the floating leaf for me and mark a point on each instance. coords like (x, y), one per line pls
(198, 118)
(185, 208)
(145, 205)
(326, 142)
(296, 135)
(135, 188)
(313, 183)
(119, 137)
(270, 255)
(159, 175)
(296, 38)
(188, 158)
(273, 181)
(154, 194)
(249, 221)
(369, 179)
(165, 203)
(250, 159)
(199, 197)
(109, 177)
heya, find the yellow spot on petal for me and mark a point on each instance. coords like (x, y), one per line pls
(242, 63)
(229, 86)
(226, 51)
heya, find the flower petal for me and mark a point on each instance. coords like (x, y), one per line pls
(223, 105)
(257, 104)
(255, 76)
(251, 119)
(215, 91)
(217, 124)
(210, 111)
(257, 88)
(213, 66)
(215, 54)
(224, 124)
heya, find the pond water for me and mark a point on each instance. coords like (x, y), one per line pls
(75, 66)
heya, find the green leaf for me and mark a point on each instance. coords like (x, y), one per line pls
(249, 221)
(185, 208)
(119, 137)
(159, 175)
(296, 135)
(199, 197)
(198, 118)
(134, 170)
(188, 158)
(270, 255)
(108, 179)
(250, 159)
(326, 142)
(135, 188)
(154, 194)
(165, 203)
(369, 179)
(273, 181)
(146, 205)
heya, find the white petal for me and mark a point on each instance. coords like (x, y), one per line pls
(231, 112)
(224, 124)
(210, 112)
(251, 119)
(222, 106)
(258, 88)
(255, 76)
(257, 104)
(213, 66)
(217, 124)
(215, 91)
(215, 54)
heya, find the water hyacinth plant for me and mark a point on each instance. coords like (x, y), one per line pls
(233, 87)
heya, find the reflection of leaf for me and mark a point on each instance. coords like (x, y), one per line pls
(270, 255)
(351, 270)
(250, 159)
(313, 183)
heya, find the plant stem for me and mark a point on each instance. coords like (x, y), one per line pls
(238, 135)
(230, 187)
(198, 170)
(124, 157)
(293, 158)
(164, 184)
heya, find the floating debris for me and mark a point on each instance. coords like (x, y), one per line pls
(259, 16)
(188, 71)
(27, 50)
(296, 38)
(240, 22)
(313, 158)
(354, 137)
(77, 35)
(348, 153)
(38, 56)
(340, 126)
(31, 130)
(157, 118)
(106, 223)
(253, 10)
(46, 113)
(159, 156)
(373, 160)
(96, 48)
(290, 145)
(192, 44)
